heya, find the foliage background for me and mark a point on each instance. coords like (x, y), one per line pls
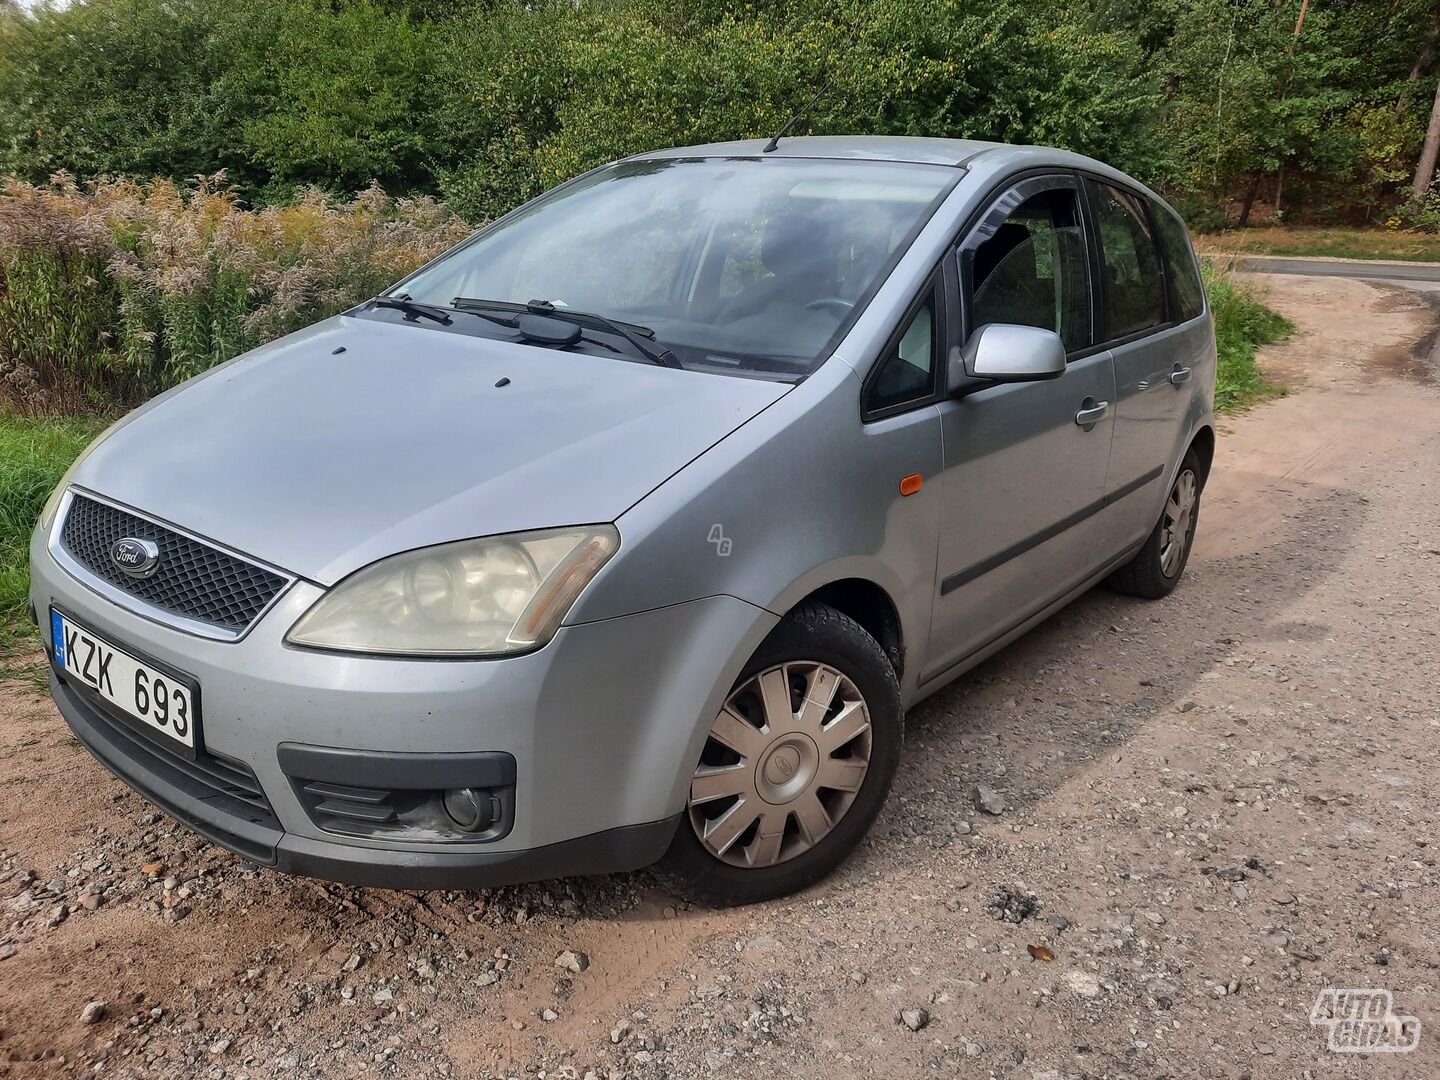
(486, 102)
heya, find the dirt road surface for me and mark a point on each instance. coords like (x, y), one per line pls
(1216, 806)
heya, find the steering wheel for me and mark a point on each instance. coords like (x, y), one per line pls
(840, 304)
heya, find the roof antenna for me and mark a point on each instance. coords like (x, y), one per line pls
(775, 139)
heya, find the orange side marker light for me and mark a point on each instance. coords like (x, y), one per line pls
(911, 484)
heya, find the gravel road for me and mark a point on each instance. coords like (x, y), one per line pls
(1312, 266)
(1211, 808)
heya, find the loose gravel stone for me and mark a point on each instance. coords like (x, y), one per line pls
(988, 799)
(572, 961)
(914, 1019)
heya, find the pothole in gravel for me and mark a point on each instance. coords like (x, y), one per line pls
(1012, 905)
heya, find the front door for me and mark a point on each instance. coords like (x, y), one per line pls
(1025, 463)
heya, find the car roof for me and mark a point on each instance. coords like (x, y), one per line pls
(865, 147)
(999, 158)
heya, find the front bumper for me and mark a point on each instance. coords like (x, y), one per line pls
(603, 726)
(255, 834)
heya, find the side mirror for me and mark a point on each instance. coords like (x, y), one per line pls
(1005, 352)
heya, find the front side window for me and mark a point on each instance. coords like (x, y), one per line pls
(1030, 269)
(1134, 287)
(1187, 294)
(744, 265)
(907, 371)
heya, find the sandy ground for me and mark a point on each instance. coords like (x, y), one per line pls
(1218, 805)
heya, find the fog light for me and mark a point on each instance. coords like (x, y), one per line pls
(472, 809)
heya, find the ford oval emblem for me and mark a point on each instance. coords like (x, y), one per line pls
(138, 558)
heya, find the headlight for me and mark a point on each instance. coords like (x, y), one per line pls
(488, 597)
(52, 504)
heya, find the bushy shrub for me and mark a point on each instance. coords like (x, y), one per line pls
(1242, 323)
(1418, 212)
(347, 101)
(134, 87)
(116, 290)
(527, 97)
(488, 103)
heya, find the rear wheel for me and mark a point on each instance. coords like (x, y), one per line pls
(796, 766)
(1156, 568)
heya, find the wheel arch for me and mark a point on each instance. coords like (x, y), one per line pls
(870, 605)
(1203, 443)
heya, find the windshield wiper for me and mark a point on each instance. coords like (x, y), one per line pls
(413, 309)
(631, 332)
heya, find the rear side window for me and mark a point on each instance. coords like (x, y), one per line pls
(1134, 287)
(1187, 297)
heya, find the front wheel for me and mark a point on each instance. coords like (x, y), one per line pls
(796, 765)
(1156, 568)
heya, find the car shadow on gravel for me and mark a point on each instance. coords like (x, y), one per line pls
(1083, 683)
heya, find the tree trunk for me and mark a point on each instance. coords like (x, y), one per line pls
(1245, 207)
(1425, 171)
(1300, 22)
(1422, 63)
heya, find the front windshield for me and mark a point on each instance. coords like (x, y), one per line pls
(735, 264)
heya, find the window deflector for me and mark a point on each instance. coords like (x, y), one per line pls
(996, 216)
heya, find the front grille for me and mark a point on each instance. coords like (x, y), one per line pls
(192, 578)
(231, 779)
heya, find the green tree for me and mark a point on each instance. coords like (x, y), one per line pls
(130, 87)
(529, 97)
(1256, 96)
(347, 98)
(1220, 102)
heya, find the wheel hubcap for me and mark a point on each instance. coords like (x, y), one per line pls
(1179, 521)
(787, 769)
(783, 764)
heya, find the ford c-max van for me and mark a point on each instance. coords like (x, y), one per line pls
(626, 531)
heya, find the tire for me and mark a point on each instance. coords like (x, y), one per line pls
(1156, 570)
(779, 780)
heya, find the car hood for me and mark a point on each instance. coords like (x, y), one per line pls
(320, 461)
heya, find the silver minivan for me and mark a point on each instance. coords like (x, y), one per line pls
(626, 531)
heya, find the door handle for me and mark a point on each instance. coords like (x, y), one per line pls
(1179, 375)
(1091, 415)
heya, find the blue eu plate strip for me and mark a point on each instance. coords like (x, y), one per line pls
(57, 634)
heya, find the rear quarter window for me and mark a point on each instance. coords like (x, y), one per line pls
(1134, 285)
(1187, 294)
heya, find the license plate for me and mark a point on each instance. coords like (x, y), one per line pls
(159, 700)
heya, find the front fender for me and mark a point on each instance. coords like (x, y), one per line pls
(802, 495)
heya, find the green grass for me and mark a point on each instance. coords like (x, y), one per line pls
(34, 454)
(1334, 243)
(1242, 324)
